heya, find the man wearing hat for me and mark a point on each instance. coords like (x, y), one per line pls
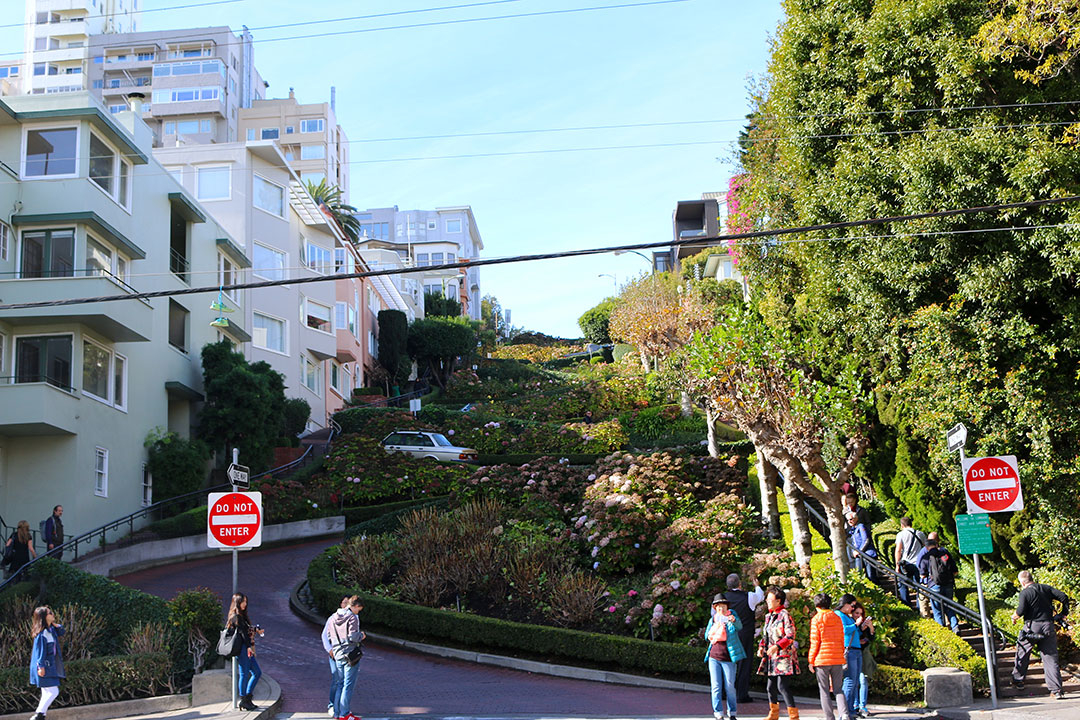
(725, 649)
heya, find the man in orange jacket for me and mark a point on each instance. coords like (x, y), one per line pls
(826, 658)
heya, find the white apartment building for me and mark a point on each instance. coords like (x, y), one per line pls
(57, 40)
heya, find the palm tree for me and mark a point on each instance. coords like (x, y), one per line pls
(329, 197)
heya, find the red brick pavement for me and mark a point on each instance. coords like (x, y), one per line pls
(393, 681)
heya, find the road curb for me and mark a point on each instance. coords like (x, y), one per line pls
(118, 709)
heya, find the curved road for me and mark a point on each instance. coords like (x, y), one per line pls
(394, 681)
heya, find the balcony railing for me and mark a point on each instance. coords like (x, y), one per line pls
(179, 266)
(31, 379)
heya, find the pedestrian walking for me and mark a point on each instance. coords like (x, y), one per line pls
(336, 676)
(853, 660)
(743, 604)
(859, 545)
(249, 674)
(19, 548)
(46, 661)
(1036, 607)
(866, 634)
(725, 649)
(851, 505)
(826, 657)
(938, 570)
(779, 654)
(909, 543)
(345, 638)
(52, 532)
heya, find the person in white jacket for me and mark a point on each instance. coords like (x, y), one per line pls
(336, 677)
(345, 635)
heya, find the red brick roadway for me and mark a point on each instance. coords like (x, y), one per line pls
(393, 681)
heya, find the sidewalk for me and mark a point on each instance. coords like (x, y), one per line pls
(1027, 708)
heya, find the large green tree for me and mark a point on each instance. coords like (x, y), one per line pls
(594, 322)
(894, 107)
(437, 344)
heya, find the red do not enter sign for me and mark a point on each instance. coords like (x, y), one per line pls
(992, 484)
(234, 520)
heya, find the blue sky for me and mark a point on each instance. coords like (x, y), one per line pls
(684, 61)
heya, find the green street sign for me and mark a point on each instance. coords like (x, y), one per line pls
(974, 534)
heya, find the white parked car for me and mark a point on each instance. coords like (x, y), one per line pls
(427, 445)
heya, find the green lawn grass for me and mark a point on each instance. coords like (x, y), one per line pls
(821, 560)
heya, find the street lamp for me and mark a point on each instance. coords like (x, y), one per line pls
(614, 280)
(640, 255)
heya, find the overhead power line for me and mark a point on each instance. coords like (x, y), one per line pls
(433, 23)
(734, 238)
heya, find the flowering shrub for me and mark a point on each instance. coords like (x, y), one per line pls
(723, 532)
(376, 423)
(546, 479)
(288, 500)
(679, 598)
(360, 471)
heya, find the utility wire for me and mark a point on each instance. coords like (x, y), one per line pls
(140, 12)
(436, 23)
(737, 237)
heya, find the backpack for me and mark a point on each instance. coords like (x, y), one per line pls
(942, 568)
(41, 529)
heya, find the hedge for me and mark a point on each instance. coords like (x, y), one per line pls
(522, 458)
(389, 522)
(191, 522)
(121, 607)
(556, 644)
(97, 680)
(363, 513)
(932, 645)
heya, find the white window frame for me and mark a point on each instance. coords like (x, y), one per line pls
(108, 371)
(305, 361)
(225, 266)
(263, 131)
(228, 176)
(27, 129)
(255, 196)
(284, 333)
(335, 366)
(306, 124)
(101, 475)
(5, 240)
(341, 315)
(122, 405)
(459, 226)
(110, 387)
(318, 150)
(325, 265)
(3, 354)
(280, 271)
(147, 487)
(329, 314)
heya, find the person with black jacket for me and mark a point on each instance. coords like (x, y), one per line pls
(249, 671)
(743, 604)
(937, 568)
(1036, 607)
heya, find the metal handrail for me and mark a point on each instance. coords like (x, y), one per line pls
(966, 612)
(130, 518)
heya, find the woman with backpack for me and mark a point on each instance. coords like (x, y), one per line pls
(19, 548)
(46, 663)
(249, 674)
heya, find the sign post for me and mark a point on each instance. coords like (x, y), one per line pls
(234, 522)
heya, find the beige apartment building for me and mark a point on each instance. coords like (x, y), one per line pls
(311, 139)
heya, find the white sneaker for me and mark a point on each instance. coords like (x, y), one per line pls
(330, 711)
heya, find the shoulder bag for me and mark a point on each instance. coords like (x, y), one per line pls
(229, 643)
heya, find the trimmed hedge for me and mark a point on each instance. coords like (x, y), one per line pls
(557, 644)
(522, 458)
(191, 522)
(390, 521)
(932, 645)
(363, 513)
(97, 680)
(121, 607)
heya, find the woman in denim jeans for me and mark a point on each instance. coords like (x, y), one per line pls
(249, 674)
(725, 649)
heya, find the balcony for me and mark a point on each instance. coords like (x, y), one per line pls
(124, 86)
(119, 320)
(37, 408)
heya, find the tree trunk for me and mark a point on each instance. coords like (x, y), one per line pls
(710, 426)
(644, 361)
(770, 511)
(834, 513)
(685, 406)
(800, 523)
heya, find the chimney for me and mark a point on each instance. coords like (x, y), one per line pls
(135, 101)
(333, 99)
(292, 95)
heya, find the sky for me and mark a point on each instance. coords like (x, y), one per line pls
(683, 61)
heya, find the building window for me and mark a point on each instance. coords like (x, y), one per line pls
(372, 302)
(5, 235)
(335, 376)
(227, 275)
(317, 316)
(251, 133)
(310, 126)
(453, 226)
(352, 320)
(268, 333)
(268, 263)
(97, 371)
(289, 129)
(52, 152)
(102, 161)
(269, 197)
(178, 325)
(378, 231)
(48, 253)
(177, 95)
(147, 487)
(431, 225)
(44, 359)
(423, 259)
(312, 152)
(372, 345)
(270, 134)
(213, 183)
(341, 315)
(660, 263)
(189, 127)
(119, 382)
(203, 67)
(101, 472)
(450, 257)
(310, 376)
(436, 258)
(99, 258)
(319, 259)
(113, 109)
